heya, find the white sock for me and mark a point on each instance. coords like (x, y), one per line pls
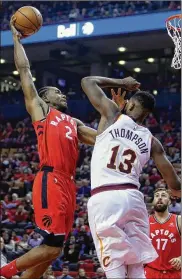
(117, 273)
(136, 271)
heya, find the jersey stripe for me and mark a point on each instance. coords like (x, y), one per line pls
(177, 226)
(168, 218)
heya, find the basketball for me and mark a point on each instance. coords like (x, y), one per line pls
(28, 20)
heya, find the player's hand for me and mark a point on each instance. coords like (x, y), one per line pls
(130, 84)
(175, 193)
(119, 98)
(176, 263)
(15, 32)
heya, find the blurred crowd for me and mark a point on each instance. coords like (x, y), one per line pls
(19, 164)
(163, 83)
(64, 11)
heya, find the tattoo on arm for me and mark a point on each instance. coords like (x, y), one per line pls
(43, 109)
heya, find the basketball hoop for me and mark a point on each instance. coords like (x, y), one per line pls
(173, 25)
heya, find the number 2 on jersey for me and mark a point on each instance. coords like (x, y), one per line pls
(126, 166)
(68, 133)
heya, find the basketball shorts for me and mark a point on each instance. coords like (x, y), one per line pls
(120, 228)
(151, 273)
(54, 201)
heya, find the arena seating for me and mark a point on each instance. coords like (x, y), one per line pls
(65, 11)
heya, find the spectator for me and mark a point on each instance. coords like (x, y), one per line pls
(51, 277)
(167, 127)
(35, 239)
(49, 272)
(65, 273)
(71, 253)
(3, 252)
(155, 177)
(174, 207)
(99, 274)
(74, 14)
(8, 242)
(174, 155)
(81, 274)
(15, 199)
(22, 245)
(169, 140)
(15, 237)
(7, 219)
(147, 189)
(21, 216)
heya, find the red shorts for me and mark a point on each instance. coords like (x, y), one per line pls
(151, 273)
(54, 201)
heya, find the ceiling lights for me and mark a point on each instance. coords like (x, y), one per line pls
(137, 70)
(151, 60)
(155, 92)
(121, 49)
(15, 73)
(121, 62)
(2, 61)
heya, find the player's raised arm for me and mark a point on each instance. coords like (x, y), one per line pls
(165, 167)
(35, 106)
(92, 86)
(86, 134)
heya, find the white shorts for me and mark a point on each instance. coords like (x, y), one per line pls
(119, 225)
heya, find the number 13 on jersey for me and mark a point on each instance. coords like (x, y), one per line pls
(129, 157)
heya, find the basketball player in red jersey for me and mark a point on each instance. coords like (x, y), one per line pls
(54, 188)
(165, 229)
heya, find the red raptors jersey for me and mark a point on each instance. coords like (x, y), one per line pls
(166, 240)
(57, 141)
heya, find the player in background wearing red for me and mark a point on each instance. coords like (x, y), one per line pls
(54, 187)
(165, 230)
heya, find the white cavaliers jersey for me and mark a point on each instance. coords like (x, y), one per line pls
(120, 153)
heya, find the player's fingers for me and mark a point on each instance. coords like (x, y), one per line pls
(12, 21)
(14, 30)
(171, 261)
(113, 93)
(19, 35)
(178, 266)
(136, 86)
(124, 94)
(119, 92)
(174, 264)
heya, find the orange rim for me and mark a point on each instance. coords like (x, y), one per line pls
(171, 18)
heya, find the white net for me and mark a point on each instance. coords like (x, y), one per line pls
(173, 26)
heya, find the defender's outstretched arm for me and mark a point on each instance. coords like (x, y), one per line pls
(165, 168)
(92, 88)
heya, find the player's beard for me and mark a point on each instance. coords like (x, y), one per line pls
(160, 207)
(63, 109)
